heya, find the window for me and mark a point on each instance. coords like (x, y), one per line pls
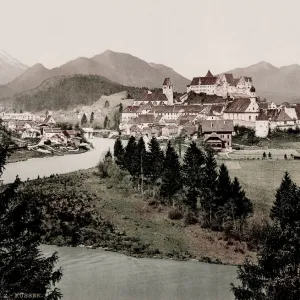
(249, 117)
(228, 136)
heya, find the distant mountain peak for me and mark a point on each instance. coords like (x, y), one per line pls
(266, 65)
(10, 68)
(291, 67)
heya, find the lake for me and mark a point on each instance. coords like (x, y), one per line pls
(96, 274)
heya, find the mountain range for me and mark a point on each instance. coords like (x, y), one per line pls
(121, 68)
(275, 84)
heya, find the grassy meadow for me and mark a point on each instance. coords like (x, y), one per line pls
(261, 178)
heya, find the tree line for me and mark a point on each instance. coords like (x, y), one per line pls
(195, 184)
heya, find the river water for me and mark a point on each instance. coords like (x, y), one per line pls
(96, 274)
(46, 166)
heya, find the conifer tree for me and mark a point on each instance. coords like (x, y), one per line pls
(223, 193)
(84, 120)
(108, 155)
(23, 268)
(276, 274)
(171, 176)
(193, 174)
(118, 152)
(141, 161)
(239, 207)
(284, 208)
(105, 122)
(130, 157)
(154, 160)
(92, 118)
(209, 183)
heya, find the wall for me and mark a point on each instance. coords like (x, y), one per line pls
(262, 128)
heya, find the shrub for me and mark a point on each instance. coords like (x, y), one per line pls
(175, 214)
(256, 231)
(189, 218)
(103, 169)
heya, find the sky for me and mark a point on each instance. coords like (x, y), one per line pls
(191, 36)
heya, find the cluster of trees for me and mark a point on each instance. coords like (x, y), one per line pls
(276, 274)
(247, 135)
(23, 268)
(202, 188)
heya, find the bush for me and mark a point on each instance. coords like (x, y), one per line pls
(175, 214)
(256, 231)
(103, 169)
(189, 218)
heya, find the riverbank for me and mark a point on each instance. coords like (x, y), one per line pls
(25, 154)
(83, 209)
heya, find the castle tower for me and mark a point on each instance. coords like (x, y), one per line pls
(168, 90)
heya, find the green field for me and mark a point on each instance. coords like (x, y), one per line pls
(261, 178)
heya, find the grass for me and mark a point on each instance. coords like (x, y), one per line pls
(261, 178)
(141, 217)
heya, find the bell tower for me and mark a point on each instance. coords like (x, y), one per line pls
(168, 90)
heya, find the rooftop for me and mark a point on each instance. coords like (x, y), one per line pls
(217, 126)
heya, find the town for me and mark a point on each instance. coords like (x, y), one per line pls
(40, 134)
(211, 107)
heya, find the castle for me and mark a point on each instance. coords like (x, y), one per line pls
(223, 85)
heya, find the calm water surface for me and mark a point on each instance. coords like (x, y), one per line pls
(96, 274)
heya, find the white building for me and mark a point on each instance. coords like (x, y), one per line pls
(243, 111)
(222, 85)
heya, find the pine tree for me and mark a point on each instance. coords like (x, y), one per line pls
(264, 155)
(108, 155)
(130, 157)
(154, 160)
(223, 193)
(84, 120)
(106, 121)
(239, 207)
(120, 108)
(171, 176)
(193, 174)
(141, 154)
(92, 118)
(209, 183)
(23, 268)
(276, 274)
(118, 152)
(284, 208)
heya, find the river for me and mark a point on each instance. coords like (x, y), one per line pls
(96, 274)
(46, 166)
